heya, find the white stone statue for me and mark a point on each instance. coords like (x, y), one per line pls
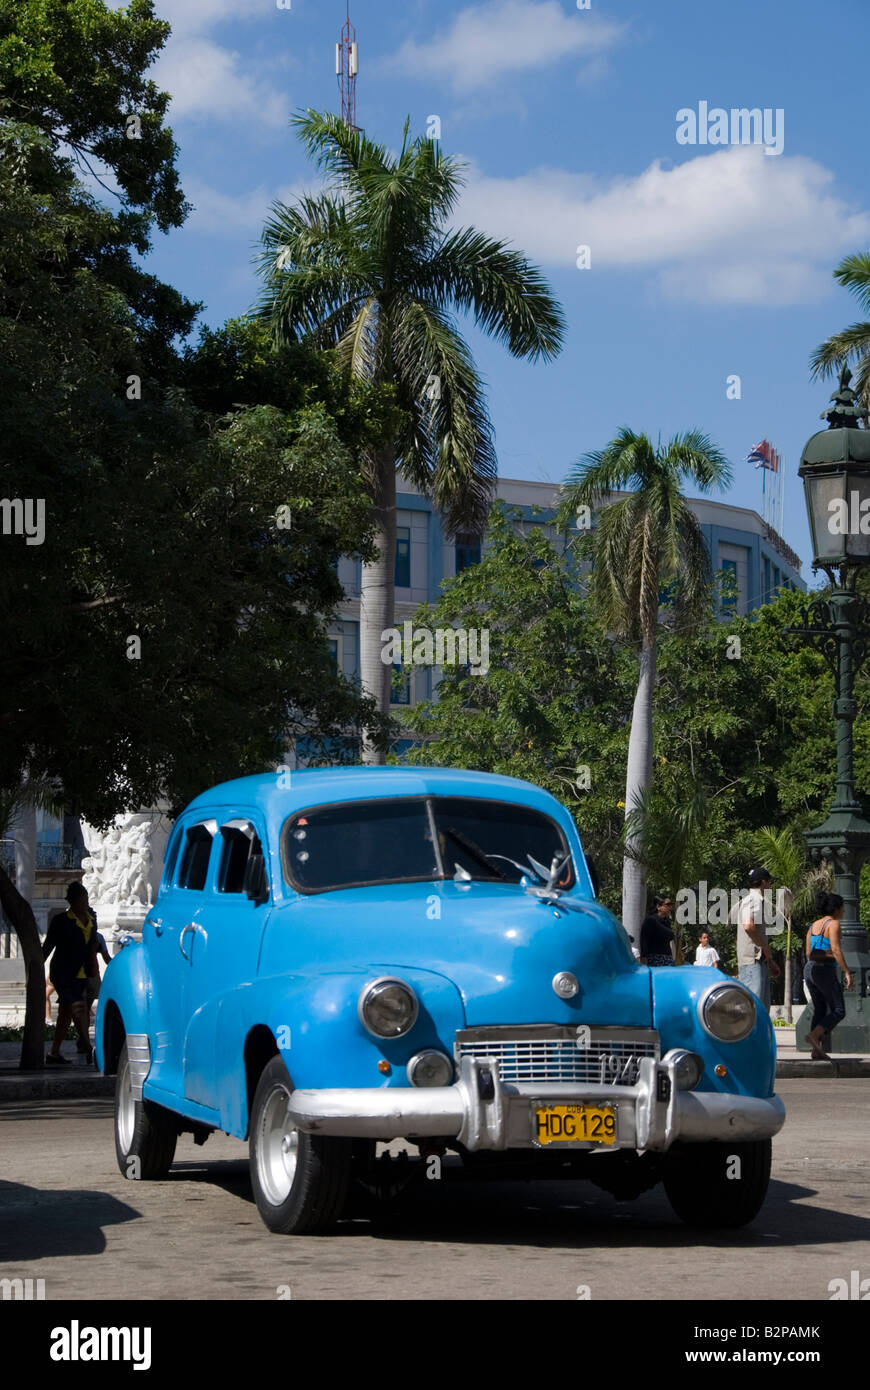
(123, 867)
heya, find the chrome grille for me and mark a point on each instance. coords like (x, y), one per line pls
(545, 1052)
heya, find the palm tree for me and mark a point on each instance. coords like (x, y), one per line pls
(853, 343)
(370, 267)
(643, 541)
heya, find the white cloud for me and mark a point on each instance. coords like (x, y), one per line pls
(226, 214)
(730, 227)
(198, 16)
(208, 80)
(490, 41)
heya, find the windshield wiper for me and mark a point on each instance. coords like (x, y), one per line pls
(475, 851)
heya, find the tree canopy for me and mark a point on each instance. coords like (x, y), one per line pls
(170, 530)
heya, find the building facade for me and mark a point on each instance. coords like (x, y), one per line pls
(738, 541)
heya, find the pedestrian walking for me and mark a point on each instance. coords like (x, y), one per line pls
(657, 934)
(755, 964)
(824, 954)
(70, 942)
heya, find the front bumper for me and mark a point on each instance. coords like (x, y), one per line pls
(482, 1112)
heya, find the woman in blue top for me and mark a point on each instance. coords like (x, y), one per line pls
(824, 954)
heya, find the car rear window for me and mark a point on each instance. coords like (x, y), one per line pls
(403, 840)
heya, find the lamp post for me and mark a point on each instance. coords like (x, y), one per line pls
(835, 467)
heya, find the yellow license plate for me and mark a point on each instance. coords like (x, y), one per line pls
(573, 1124)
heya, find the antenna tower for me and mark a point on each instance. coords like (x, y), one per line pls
(346, 69)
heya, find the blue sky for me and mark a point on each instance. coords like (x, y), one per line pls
(706, 261)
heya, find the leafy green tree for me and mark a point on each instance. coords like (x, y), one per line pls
(642, 542)
(370, 267)
(74, 72)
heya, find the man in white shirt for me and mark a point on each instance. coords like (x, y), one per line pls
(706, 954)
(755, 963)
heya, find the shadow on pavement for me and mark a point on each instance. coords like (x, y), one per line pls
(36, 1224)
(553, 1215)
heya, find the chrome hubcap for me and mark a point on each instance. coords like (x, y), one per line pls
(277, 1148)
(125, 1110)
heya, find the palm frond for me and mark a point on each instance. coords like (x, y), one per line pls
(449, 448)
(507, 295)
(853, 273)
(696, 456)
(852, 343)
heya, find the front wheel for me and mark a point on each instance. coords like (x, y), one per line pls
(300, 1181)
(145, 1134)
(718, 1185)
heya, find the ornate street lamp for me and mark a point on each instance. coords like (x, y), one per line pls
(835, 467)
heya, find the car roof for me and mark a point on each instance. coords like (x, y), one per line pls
(319, 785)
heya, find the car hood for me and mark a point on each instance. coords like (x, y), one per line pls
(500, 946)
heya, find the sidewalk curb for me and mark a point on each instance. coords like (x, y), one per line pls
(846, 1067)
(54, 1085)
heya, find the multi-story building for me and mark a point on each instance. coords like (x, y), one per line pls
(737, 538)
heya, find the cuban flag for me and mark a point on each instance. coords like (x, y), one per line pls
(764, 456)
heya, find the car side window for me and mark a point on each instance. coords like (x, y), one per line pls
(240, 842)
(171, 856)
(197, 852)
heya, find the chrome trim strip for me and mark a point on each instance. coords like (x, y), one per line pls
(139, 1059)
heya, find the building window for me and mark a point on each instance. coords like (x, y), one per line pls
(467, 552)
(766, 595)
(403, 557)
(776, 578)
(400, 691)
(335, 652)
(729, 597)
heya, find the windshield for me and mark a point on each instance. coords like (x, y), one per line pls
(414, 839)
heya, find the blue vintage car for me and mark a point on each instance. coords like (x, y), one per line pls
(343, 957)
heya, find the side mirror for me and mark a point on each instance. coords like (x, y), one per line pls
(256, 883)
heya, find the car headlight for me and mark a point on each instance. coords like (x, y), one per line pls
(728, 1012)
(388, 1008)
(430, 1068)
(688, 1068)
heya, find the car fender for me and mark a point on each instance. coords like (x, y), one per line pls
(750, 1065)
(125, 992)
(312, 1018)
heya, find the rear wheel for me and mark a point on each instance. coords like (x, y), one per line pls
(300, 1181)
(718, 1185)
(145, 1134)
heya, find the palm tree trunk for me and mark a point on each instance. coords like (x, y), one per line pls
(377, 601)
(637, 778)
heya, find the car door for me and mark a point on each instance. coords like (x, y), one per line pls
(167, 931)
(224, 949)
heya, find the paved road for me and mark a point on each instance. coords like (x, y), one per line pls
(68, 1217)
